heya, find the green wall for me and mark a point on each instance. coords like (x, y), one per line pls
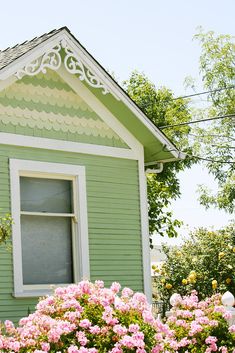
(113, 220)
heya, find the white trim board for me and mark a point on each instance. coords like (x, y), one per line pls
(80, 237)
(65, 146)
(144, 229)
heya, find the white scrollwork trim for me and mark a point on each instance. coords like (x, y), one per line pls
(74, 65)
(72, 62)
(50, 60)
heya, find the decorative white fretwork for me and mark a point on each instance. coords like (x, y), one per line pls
(73, 63)
(50, 60)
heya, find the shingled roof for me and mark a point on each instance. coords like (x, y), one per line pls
(8, 55)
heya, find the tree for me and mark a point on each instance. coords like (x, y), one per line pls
(211, 143)
(161, 108)
(205, 262)
(216, 140)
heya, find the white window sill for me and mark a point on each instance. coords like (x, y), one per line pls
(38, 290)
(32, 293)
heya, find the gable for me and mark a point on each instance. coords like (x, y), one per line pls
(46, 106)
(59, 50)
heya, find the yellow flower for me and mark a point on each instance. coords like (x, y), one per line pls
(221, 254)
(214, 284)
(163, 280)
(184, 281)
(154, 267)
(192, 277)
(168, 286)
(228, 280)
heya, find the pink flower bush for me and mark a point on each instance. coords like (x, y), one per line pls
(201, 326)
(88, 318)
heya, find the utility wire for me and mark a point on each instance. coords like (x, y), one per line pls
(198, 157)
(211, 160)
(207, 159)
(227, 147)
(197, 121)
(205, 92)
(212, 135)
(165, 149)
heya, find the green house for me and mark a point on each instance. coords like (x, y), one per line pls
(73, 153)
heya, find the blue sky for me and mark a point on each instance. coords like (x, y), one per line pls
(152, 36)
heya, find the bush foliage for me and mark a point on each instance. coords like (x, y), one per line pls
(201, 326)
(88, 318)
(205, 262)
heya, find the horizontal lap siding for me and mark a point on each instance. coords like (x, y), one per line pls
(113, 219)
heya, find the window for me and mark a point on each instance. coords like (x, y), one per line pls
(50, 237)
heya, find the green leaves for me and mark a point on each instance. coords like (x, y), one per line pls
(161, 108)
(216, 140)
(206, 257)
(5, 228)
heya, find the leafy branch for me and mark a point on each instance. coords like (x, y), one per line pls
(5, 228)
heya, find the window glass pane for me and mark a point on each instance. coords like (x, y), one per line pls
(46, 195)
(46, 250)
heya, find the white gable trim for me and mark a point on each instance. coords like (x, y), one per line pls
(30, 56)
(65, 146)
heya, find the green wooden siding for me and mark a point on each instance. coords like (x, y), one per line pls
(113, 220)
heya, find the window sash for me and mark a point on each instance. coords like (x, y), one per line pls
(47, 256)
(46, 195)
(77, 175)
(36, 193)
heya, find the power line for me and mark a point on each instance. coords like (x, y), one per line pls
(165, 149)
(227, 147)
(211, 160)
(212, 135)
(204, 92)
(197, 121)
(205, 159)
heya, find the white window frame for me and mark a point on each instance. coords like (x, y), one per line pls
(76, 174)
